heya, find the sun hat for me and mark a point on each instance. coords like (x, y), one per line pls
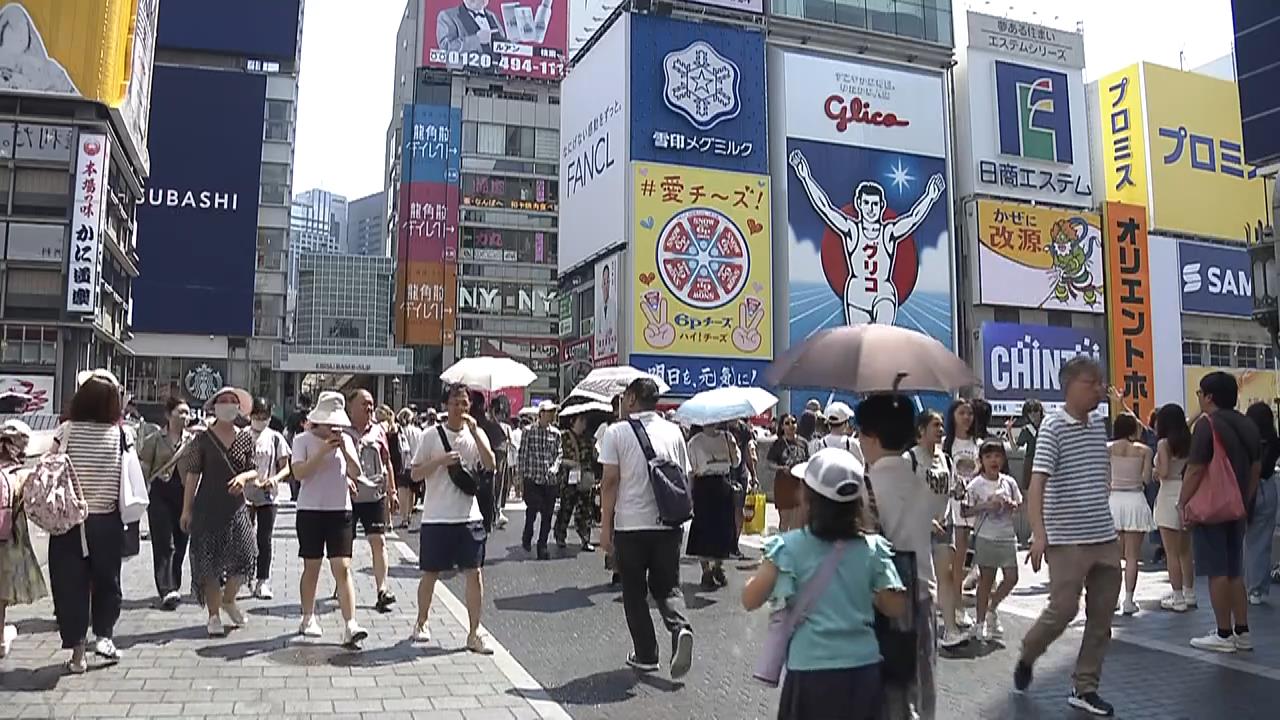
(547, 406)
(330, 409)
(838, 412)
(100, 374)
(833, 473)
(243, 399)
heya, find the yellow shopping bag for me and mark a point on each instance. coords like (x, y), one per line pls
(753, 514)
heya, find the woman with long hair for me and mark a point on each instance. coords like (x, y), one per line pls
(1262, 520)
(1130, 472)
(1173, 446)
(933, 464)
(215, 471)
(833, 659)
(788, 450)
(713, 454)
(961, 446)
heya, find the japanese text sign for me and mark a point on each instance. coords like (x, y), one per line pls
(1200, 183)
(528, 39)
(689, 376)
(428, 222)
(93, 165)
(431, 141)
(1129, 307)
(427, 294)
(1124, 150)
(697, 95)
(1022, 41)
(1035, 256)
(703, 269)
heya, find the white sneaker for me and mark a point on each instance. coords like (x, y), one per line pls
(1173, 603)
(1255, 598)
(263, 591)
(501, 521)
(1214, 642)
(1129, 607)
(310, 627)
(421, 633)
(353, 634)
(105, 648)
(10, 634)
(1190, 598)
(949, 639)
(1243, 641)
(233, 614)
(215, 628)
(980, 632)
(994, 628)
(964, 620)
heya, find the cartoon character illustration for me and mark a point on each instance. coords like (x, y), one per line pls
(1071, 246)
(870, 241)
(24, 62)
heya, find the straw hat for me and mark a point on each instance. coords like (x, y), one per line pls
(330, 409)
(243, 398)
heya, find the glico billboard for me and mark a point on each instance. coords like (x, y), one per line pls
(197, 223)
(520, 38)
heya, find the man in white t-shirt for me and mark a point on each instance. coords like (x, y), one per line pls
(452, 534)
(839, 423)
(646, 552)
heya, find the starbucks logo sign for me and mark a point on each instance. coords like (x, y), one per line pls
(202, 381)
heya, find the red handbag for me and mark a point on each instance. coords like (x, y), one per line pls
(1217, 499)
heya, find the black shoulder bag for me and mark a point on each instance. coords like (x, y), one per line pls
(475, 483)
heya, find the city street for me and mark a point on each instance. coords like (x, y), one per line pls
(563, 642)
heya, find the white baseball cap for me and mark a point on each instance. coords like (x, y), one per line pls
(833, 473)
(838, 412)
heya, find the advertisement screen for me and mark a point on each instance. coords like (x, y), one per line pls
(1257, 60)
(1124, 147)
(70, 47)
(262, 29)
(606, 306)
(507, 246)
(698, 95)
(593, 150)
(1129, 307)
(1023, 361)
(198, 223)
(516, 38)
(429, 194)
(1039, 257)
(703, 263)
(1200, 182)
(511, 193)
(1215, 280)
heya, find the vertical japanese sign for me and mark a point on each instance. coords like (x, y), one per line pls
(93, 164)
(427, 237)
(606, 305)
(1124, 151)
(1129, 307)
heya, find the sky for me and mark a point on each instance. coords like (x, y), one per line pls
(344, 102)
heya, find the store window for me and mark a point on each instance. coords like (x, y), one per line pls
(29, 345)
(41, 192)
(1219, 354)
(928, 20)
(1192, 351)
(279, 125)
(1249, 356)
(275, 184)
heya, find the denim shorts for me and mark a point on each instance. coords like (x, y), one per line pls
(454, 546)
(1219, 549)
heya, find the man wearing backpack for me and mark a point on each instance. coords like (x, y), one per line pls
(1219, 547)
(642, 532)
(375, 500)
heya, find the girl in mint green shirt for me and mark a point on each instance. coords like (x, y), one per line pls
(833, 661)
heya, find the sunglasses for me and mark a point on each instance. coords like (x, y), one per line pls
(789, 422)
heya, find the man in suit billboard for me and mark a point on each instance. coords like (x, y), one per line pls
(468, 28)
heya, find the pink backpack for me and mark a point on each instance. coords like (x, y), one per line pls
(1218, 499)
(52, 497)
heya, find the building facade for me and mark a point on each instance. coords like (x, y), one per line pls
(73, 162)
(214, 232)
(318, 223)
(367, 226)
(473, 165)
(344, 300)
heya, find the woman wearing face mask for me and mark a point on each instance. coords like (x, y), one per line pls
(215, 471)
(159, 457)
(713, 535)
(271, 459)
(21, 582)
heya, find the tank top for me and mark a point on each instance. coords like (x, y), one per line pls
(1126, 473)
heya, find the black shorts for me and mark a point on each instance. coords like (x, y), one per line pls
(1219, 549)
(458, 546)
(373, 516)
(324, 533)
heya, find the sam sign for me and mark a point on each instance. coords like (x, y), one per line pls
(93, 165)
(1215, 280)
(518, 38)
(1129, 306)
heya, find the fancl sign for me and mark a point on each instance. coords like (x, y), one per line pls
(1024, 361)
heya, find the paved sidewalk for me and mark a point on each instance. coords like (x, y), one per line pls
(172, 669)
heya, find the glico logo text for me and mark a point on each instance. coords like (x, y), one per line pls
(858, 111)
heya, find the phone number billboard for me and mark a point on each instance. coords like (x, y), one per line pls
(522, 38)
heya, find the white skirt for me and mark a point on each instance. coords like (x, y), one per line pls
(1166, 514)
(1130, 512)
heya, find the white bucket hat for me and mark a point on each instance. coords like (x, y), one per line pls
(100, 374)
(833, 473)
(243, 399)
(330, 409)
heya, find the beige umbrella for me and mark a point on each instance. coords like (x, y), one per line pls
(870, 358)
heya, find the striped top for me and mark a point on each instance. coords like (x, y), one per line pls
(94, 449)
(1077, 505)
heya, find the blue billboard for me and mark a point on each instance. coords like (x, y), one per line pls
(261, 29)
(697, 95)
(432, 137)
(1023, 361)
(198, 221)
(1257, 64)
(1216, 280)
(689, 376)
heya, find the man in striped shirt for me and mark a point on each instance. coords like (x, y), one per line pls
(1068, 505)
